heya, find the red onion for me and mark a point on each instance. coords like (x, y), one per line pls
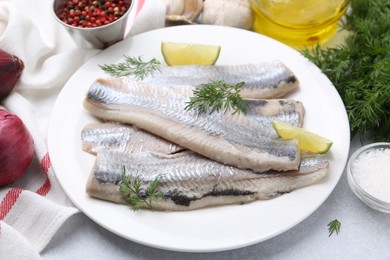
(11, 68)
(16, 148)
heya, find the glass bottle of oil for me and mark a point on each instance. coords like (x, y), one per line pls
(298, 23)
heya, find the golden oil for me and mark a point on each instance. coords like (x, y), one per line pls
(298, 23)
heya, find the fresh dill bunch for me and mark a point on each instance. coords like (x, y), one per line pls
(216, 95)
(134, 194)
(334, 226)
(133, 66)
(360, 68)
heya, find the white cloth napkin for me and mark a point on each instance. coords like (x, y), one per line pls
(33, 208)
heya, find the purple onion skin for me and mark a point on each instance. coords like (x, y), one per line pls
(16, 148)
(11, 68)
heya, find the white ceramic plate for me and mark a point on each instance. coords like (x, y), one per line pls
(210, 229)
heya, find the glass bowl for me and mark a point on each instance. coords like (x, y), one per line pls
(368, 177)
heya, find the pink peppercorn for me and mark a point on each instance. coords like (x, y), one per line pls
(92, 13)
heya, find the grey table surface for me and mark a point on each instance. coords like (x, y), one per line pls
(364, 235)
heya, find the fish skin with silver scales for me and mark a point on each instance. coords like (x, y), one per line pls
(272, 79)
(190, 181)
(124, 138)
(241, 140)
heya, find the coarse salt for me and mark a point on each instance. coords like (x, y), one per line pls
(371, 170)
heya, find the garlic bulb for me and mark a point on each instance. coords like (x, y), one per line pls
(233, 13)
(182, 11)
(174, 7)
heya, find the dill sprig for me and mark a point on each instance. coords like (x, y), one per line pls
(135, 195)
(216, 95)
(360, 68)
(334, 226)
(134, 66)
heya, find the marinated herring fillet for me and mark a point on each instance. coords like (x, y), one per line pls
(123, 138)
(241, 140)
(190, 181)
(263, 80)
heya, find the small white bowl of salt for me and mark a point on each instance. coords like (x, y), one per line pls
(368, 172)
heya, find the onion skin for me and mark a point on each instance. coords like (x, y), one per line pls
(11, 68)
(16, 148)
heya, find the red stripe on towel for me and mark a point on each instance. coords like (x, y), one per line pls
(45, 188)
(45, 165)
(12, 195)
(8, 201)
(139, 7)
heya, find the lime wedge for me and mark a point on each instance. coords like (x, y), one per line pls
(177, 53)
(308, 141)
